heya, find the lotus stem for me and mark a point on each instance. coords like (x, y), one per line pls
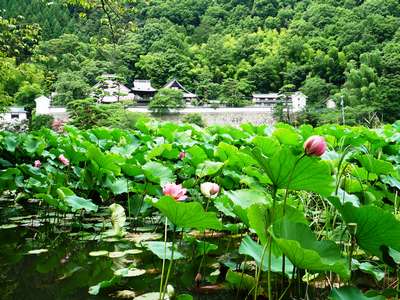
(165, 255)
(169, 266)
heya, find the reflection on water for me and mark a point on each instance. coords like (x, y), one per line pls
(60, 267)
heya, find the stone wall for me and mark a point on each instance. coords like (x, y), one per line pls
(222, 116)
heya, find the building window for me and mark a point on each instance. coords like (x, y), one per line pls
(14, 116)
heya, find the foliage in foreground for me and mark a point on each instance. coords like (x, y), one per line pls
(302, 217)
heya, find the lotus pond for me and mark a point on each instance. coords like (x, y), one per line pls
(172, 211)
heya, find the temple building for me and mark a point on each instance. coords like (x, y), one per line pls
(143, 91)
(187, 96)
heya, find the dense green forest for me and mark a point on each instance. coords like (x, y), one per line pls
(219, 49)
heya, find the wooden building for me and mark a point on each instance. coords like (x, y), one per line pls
(187, 96)
(143, 91)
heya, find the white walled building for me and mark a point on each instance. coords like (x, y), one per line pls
(43, 107)
(297, 101)
(14, 114)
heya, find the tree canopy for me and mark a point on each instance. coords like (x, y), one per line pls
(223, 49)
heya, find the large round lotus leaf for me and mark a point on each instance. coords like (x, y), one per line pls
(351, 293)
(187, 215)
(299, 244)
(377, 229)
(289, 171)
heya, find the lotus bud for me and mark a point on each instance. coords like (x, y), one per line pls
(197, 279)
(209, 189)
(315, 145)
(170, 291)
(63, 160)
(37, 163)
(175, 191)
(182, 155)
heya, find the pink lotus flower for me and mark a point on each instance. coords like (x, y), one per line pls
(175, 191)
(315, 145)
(63, 160)
(58, 125)
(37, 163)
(209, 189)
(182, 155)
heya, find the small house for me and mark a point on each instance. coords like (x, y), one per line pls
(14, 114)
(143, 91)
(187, 96)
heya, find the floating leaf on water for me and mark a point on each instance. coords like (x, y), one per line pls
(140, 237)
(21, 218)
(125, 272)
(98, 253)
(31, 223)
(151, 296)
(38, 251)
(8, 226)
(133, 251)
(116, 254)
(124, 294)
(112, 239)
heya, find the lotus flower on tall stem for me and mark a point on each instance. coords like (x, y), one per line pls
(209, 189)
(175, 191)
(315, 145)
(182, 155)
(63, 160)
(37, 163)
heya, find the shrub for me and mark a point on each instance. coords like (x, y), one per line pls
(165, 100)
(41, 121)
(87, 113)
(194, 118)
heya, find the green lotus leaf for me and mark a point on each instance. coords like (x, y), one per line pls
(377, 229)
(255, 250)
(299, 244)
(208, 168)
(159, 249)
(187, 214)
(289, 171)
(351, 293)
(158, 173)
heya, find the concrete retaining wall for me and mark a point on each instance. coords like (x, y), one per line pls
(221, 116)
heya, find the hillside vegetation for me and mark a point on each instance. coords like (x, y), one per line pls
(220, 49)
